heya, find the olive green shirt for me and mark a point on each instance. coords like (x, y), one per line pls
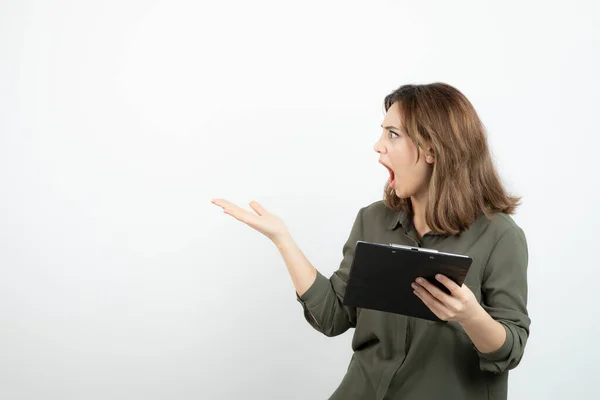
(399, 357)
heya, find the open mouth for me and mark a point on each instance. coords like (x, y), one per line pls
(392, 175)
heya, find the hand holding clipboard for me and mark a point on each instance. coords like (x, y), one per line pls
(381, 277)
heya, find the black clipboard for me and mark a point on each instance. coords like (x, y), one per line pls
(381, 275)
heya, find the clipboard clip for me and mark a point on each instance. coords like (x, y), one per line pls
(414, 248)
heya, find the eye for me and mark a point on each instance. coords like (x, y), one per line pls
(393, 135)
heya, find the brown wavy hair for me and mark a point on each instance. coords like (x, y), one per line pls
(464, 182)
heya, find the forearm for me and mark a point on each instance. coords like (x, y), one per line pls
(487, 334)
(301, 271)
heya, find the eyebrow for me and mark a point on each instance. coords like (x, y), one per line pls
(389, 127)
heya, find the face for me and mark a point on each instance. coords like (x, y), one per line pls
(397, 152)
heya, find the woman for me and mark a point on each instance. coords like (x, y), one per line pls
(443, 193)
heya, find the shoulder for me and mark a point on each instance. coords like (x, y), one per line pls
(375, 208)
(500, 225)
(377, 213)
(501, 222)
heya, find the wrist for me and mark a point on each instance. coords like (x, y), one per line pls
(475, 317)
(283, 240)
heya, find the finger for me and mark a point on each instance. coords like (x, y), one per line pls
(444, 298)
(432, 303)
(242, 215)
(223, 203)
(229, 207)
(449, 283)
(425, 295)
(257, 208)
(236, 212)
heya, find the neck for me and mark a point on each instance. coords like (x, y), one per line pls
(419, 206)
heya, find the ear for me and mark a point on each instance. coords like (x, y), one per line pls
(429, 155)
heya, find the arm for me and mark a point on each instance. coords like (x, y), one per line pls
(320, 297)
(322, 301)
(486, 334)
(504, 298)
(499, 327)
(301, 271)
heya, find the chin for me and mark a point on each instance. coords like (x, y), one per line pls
(401, 193)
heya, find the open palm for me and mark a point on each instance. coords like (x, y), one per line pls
(263, 221)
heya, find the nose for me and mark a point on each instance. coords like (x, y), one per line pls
(378, 146)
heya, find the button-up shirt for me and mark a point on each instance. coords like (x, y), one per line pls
(401, 357)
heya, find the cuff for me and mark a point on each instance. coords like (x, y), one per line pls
(503, 352)
(316, 292)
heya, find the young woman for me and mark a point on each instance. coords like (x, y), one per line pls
(443, 193)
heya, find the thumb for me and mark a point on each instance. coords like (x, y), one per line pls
(257, 208)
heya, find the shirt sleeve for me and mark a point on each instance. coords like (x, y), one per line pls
(504, 297)
(322, 302)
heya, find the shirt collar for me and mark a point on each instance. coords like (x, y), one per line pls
(398, 217)
(403, 219)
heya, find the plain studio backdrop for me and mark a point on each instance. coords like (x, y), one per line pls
(120, 120)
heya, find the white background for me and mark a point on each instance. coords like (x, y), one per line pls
(120, 120)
